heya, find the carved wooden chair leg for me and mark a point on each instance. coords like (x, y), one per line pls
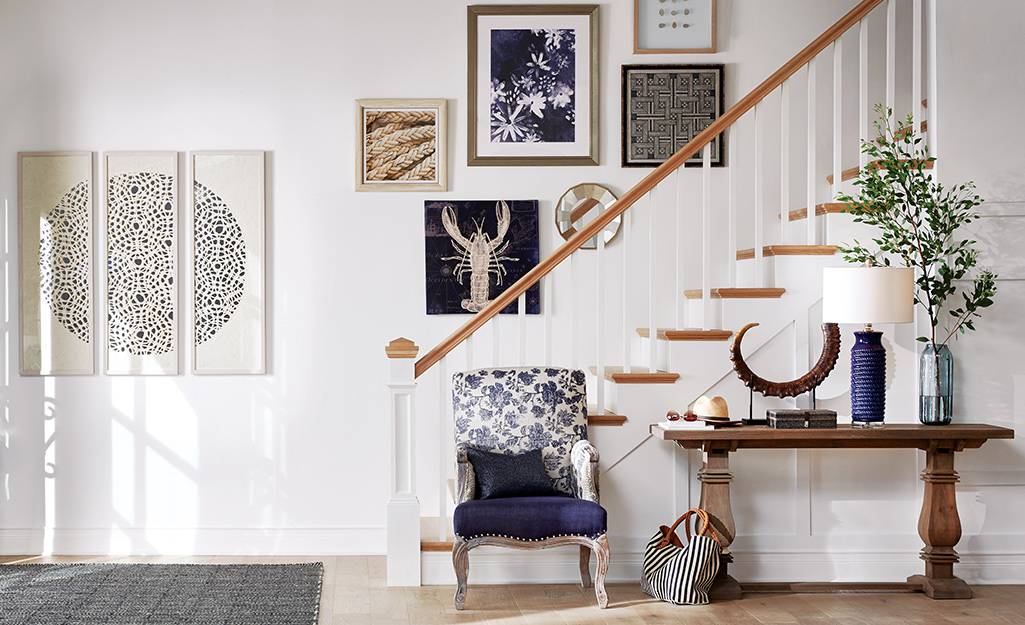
(585, 566)
(601, 554)
(461, 564)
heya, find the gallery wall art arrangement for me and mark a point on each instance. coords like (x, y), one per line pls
(228, 262)
(401, 145)
(533, 85)
(476, 249)
(56, 243)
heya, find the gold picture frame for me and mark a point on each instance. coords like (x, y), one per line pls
(583, 150)
(401, 145)
(713, 17)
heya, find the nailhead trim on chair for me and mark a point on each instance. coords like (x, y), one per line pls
(530, 540)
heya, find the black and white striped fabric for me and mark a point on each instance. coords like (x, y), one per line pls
(680, 575)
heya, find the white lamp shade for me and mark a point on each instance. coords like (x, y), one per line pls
(868, 294)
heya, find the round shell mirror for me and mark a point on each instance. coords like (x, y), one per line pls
(581, 205)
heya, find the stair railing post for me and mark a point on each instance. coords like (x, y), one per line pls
(784, 161)
(810, 222)
(403, 512)
(759, 235)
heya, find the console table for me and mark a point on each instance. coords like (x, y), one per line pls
(938, 525)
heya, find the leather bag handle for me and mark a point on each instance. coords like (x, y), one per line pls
(701, 529)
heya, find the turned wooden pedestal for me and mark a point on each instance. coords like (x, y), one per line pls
(938, 525)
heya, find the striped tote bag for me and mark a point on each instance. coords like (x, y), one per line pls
(682, 573)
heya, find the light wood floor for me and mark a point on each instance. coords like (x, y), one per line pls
(354, 593)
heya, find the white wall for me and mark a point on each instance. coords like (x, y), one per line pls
(294, 462)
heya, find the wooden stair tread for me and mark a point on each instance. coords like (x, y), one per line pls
(737, 293)
(688, 334)
(638, 375)
(605, 418)
(827, 208)
(435, 545)
(789, 250)
(852, 172)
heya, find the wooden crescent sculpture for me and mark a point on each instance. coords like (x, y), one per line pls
(792, 388)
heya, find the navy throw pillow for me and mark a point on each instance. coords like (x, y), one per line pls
(502, 475)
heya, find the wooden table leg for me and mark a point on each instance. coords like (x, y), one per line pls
(940, 528)
(715, 478)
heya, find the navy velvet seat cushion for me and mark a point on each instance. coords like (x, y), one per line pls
(509, 475)
(529, 518)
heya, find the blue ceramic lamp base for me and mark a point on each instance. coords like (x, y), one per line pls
(868, 380)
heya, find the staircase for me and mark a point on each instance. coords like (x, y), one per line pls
(655, 334)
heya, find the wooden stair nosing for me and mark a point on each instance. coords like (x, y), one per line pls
(603, 419)
(688, 334)
(737, 293)
(789, 250)
(638, 376)
(852, 172)
(827, 208)
(435, 545)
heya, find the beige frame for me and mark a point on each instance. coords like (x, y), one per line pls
(639, 50)
(441, 139)
(472, 13)
(93, 247)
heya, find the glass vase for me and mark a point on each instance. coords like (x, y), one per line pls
(936, 386)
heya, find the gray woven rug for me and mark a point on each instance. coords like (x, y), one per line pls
(160, 594)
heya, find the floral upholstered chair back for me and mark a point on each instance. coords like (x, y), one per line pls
(521, 409)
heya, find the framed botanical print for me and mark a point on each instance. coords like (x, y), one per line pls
(400, 145)
(533, 84)
(674, 26)
(664, 107)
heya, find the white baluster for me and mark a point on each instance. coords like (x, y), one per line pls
(443, 408)
(916, 65)
(546, 289)
(784, 161)
(469, 353)
(934, 101)
(496, 342)
(731, 234)
(862, 90)
(759, 240)
(403, 510)
(571, 309)
(628, 331)
(810, 201)
(599, 306)
(891, 58)
(652, 329)
(706, 239)
(678, 318)
(837, 120)
(521, 313)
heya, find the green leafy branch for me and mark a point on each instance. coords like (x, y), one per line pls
(917, 219)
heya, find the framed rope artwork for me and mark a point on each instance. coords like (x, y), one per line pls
(533, 84)
(665, 106)
(401, 145)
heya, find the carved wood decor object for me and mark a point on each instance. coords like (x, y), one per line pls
(791, 388)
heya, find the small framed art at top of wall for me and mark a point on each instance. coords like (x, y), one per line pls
(401, 145)
(674, 26)
(664, 107)
(533, 85)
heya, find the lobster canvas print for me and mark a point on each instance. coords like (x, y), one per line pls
(475, 249)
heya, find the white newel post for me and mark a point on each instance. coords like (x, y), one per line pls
(403, 507)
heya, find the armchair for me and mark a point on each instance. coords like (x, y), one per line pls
(516, 410)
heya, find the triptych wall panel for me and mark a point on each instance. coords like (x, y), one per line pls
(142, 263)
(55, 191)
(228, 262)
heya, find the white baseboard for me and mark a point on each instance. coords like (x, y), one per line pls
(272, 541)
(491, 566)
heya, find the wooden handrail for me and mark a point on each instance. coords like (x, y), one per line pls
(646, 184)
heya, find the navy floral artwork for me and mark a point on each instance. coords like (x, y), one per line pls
(533, 86)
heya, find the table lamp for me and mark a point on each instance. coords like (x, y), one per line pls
(867, 295)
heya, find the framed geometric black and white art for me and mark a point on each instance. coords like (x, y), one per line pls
(664, 107)
(142, 263)
(55, 200)
(533, 84)
(475, 249)
(228, 290)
